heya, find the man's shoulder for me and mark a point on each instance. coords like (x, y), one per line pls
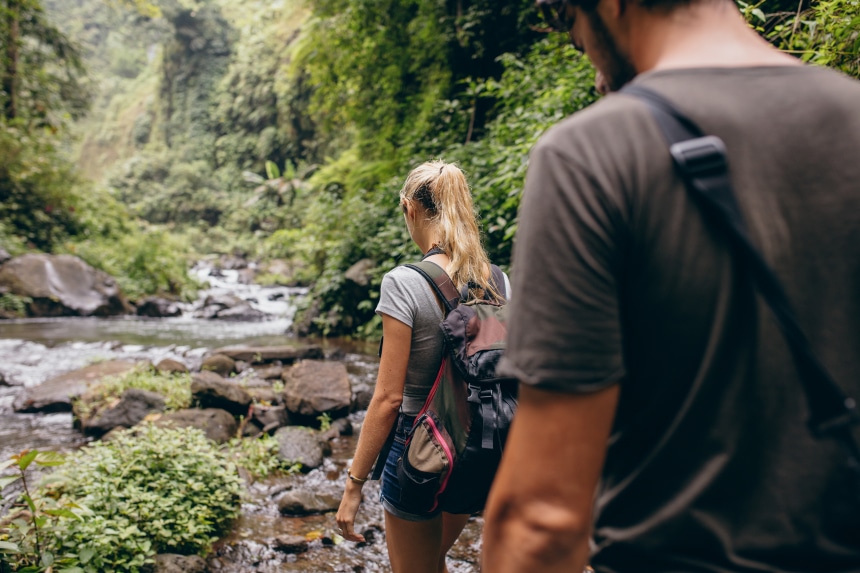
(607, 122)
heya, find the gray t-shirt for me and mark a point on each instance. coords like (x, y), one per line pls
(406, 295)
(710, 467)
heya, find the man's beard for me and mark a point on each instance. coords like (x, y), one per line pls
(617, 69)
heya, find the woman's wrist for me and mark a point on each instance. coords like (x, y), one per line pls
(358, 480)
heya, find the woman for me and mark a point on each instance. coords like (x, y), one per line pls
(437, 206)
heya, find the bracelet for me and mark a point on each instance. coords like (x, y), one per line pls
(353, 478)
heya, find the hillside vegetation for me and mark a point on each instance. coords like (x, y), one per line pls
(282, 129)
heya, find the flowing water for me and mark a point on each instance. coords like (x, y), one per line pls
(33, 350)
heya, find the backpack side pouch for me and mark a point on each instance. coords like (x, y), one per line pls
(426, 464)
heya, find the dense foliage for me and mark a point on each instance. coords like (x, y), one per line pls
(114, 505)
(282, 130)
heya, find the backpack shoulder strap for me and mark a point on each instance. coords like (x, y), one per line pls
(703, 163)
(440, 282)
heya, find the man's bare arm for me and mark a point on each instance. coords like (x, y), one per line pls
(538, 516)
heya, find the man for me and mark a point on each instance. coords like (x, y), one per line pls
(662, 425)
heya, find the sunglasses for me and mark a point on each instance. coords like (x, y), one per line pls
(556, 15)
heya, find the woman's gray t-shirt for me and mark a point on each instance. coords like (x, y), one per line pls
(407, 296)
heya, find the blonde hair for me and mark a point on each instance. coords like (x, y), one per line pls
(441, 189)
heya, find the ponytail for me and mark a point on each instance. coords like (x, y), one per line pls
(441, 189)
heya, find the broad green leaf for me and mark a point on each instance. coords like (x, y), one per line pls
(27, 459)
(4, 481)
(50, 459)
(62, 513)
(29, 502)
(86, 554)
(7, 546)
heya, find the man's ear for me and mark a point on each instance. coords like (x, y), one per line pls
(612, 8)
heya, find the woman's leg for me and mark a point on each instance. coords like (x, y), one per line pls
(421, 546)
(413, 546)
(452, 526)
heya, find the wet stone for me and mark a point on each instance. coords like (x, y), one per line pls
(212, 391)
(307, 502)
(220, 364)
(132, 408)
(171, 366)
(300, 445)
(218, 425)
(291, 544)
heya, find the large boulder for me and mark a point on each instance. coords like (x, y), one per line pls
(297, 444)
(210, 390)
(132, 408)
(155, 307)
(314, 387)
(260, 354)
(56, 394)
(218, 425)
(63, 285)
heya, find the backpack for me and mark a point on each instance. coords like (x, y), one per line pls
(456, 442)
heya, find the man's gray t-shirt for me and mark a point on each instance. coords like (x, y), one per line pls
(407, 296)
(710, 466)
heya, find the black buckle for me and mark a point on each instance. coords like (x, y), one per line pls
(702, 156)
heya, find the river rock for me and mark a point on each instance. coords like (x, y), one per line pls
(313, 387)
(242, 313)
(56, 394)
(272, 372)
(156, 307)
(307, 502)
(3, 381)
(171, 366)
(210, 390)
(296, 444)
(4, 255)
(270, 418)
(63, 285)
(132, 408)
(170, 563)
(220, 364)
(259, 354)
(340, 427)
(218, 425)
(290, 544)
(264, 394)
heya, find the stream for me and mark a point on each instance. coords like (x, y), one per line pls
(34, 350)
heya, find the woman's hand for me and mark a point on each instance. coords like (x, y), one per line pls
(348, 509)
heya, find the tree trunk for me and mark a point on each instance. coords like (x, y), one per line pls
(10, 76)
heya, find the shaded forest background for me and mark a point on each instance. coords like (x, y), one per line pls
(141, 135)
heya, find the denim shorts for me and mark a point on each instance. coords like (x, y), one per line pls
(389, 493)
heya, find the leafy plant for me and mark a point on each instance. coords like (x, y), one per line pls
(150, 490)
(325, 421)
(259, 456)
(14, 304)
(26, 542)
